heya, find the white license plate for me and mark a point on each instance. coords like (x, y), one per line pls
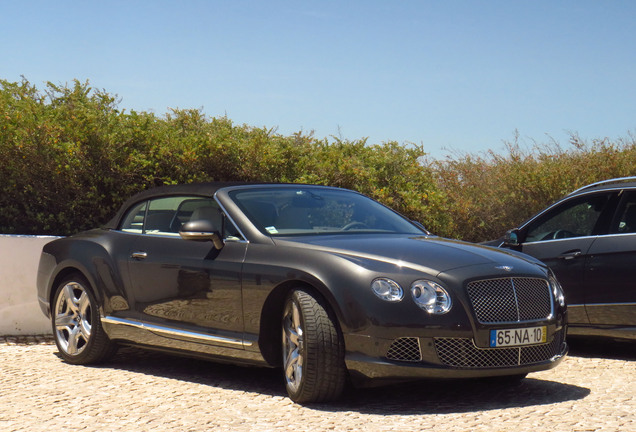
(518, 337)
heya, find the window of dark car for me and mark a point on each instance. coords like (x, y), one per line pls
(625, 221)
(577, 217)
(166, 215)
(314, 211)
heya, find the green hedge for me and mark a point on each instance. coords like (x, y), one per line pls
(488, 194)
(70, 157)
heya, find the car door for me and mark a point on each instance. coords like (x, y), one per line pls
(562, 237)
(185, 284)
(610, 277)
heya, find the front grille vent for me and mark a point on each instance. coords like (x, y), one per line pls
(405, 349)
(462, 352)
(510, 299)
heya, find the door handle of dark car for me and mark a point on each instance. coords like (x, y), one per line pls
(139, 255)
(571, 254)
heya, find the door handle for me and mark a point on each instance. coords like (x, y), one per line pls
(571, 254)
(139, 255)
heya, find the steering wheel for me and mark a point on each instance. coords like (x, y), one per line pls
(561, 234)
(354, 224)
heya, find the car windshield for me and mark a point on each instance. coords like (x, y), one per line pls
(314, 211)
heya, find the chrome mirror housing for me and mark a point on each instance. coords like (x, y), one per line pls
(201, 230)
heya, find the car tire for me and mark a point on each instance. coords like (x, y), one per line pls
(76, 325)
(313, 350)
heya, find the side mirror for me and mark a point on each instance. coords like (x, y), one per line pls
(512, 237)
(201, 230)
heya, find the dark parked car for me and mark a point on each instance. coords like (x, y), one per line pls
(589, 240)
(324, 282)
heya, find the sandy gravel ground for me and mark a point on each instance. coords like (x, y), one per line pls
(594, 389)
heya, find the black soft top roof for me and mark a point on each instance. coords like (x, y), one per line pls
(197, 189)
(202, 189)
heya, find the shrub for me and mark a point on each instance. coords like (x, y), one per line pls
(71, 157)
(488, 194)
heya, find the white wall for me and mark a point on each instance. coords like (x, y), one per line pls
(20, 313)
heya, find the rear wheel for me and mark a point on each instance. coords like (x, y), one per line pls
(76, 325)
(313, 350)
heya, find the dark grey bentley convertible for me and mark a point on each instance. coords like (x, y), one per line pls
(324, 282)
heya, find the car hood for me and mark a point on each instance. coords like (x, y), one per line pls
(426, 253)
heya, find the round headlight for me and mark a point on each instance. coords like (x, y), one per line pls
(557, 291)
(431, 297)
(387, 289)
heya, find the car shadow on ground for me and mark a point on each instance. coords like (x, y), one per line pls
(421, 397)
(459, 396)
(591, 347)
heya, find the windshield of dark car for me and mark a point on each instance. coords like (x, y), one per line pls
(311, 211)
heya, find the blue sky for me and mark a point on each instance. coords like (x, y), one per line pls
(455, 76)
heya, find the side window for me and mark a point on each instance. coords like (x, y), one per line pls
(166, 216)
(161, 217)
(134, 220)
(626, 221)
(575, 218)
(198, 208)
(207, 209)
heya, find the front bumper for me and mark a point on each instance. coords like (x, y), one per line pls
(379, 360)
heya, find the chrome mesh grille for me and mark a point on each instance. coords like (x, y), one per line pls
(539, 353)
(461, 352)
(405, 349)
(510, 299)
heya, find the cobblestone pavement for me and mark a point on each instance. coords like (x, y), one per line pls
(594, 389)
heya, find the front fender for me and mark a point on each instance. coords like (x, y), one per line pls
(344, 282)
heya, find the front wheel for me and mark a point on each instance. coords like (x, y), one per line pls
(313, 350)
(76, 325)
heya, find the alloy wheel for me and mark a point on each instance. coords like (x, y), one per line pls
(293, 346)
(72, 318)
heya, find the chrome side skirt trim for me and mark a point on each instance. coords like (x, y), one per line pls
(610, 304)
(168, 331)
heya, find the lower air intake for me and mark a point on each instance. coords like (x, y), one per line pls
(460, 352)
(405, 349)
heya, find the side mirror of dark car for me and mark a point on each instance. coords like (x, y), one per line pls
(201, 230)
(512, 237)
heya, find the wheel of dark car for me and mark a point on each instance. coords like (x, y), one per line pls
(76, 325)
(313, 350)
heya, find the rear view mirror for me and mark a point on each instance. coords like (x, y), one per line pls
(201, 230)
